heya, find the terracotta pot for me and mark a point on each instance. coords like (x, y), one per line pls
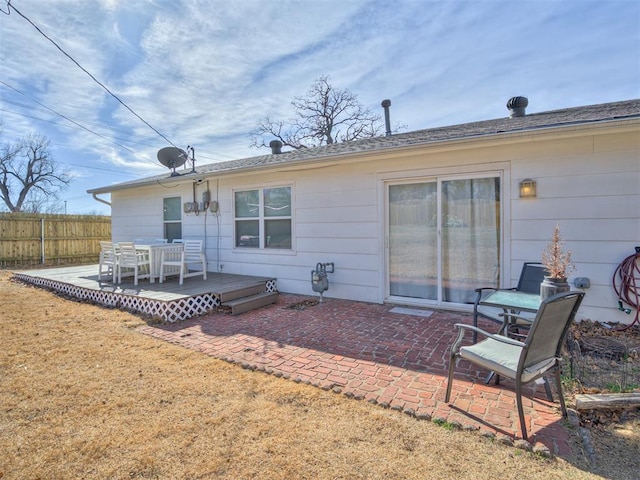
(552, 286)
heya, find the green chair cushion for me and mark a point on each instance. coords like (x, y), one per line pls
(502, 359)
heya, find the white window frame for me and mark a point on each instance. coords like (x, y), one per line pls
(261, 218)
(165, 222)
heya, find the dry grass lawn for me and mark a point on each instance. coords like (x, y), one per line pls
(85, 395)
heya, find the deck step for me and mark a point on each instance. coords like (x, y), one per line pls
(233, 294)
(251, 302)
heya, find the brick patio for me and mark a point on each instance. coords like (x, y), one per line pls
(369, 352)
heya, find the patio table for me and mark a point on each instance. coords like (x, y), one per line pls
(512, 302)
(155, 256)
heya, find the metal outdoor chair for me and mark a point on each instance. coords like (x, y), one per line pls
(525, 361)
(181, 256)
(108, 262)
(132, 259)
(531, 277)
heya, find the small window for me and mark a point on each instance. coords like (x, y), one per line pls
(172, 218)
(263, 218)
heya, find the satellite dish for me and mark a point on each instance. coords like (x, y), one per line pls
(172, 157)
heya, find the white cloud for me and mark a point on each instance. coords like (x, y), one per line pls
(204, 72)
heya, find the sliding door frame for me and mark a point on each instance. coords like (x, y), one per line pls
(439, 175)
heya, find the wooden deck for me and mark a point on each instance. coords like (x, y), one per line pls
(169, 300)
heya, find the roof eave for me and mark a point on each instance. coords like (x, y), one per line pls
(511, 135)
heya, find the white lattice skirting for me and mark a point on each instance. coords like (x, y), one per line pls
(169, 311)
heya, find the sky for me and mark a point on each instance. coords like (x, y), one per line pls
(205, 72)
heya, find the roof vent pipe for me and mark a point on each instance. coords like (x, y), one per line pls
(517, 106)
(276, 147)
(386, 104)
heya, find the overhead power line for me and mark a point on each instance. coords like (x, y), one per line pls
(9, 7)
(102, 136)
(119, 172)
(69, 120)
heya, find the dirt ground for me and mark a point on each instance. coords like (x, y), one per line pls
(85, 395)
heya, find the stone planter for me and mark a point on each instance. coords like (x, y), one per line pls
(552, 286)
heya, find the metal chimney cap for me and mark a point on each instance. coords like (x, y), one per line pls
(515, 102)
(276, 147)
(517, 106)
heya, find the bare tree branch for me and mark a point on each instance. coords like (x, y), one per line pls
(322, 117)
(29, 176)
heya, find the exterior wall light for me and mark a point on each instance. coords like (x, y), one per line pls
(528, 188)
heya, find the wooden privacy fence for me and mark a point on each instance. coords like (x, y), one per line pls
(42, 239)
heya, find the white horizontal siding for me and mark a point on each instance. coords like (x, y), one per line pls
(610, 208)
(337, 230)
(341, 215)
(589, 183)
(136, 214)
(591, 187)
(335, 220)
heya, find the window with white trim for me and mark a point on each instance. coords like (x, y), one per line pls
(263, 218)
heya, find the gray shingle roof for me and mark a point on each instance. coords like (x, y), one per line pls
(629, 109)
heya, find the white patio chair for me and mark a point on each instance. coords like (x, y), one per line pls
(172, 262)
(108, 262)
(130, 258)
(189, 253)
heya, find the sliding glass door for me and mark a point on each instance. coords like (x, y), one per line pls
(443, 238)
(413, 259)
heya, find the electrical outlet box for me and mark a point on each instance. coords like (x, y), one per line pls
(582, 282)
